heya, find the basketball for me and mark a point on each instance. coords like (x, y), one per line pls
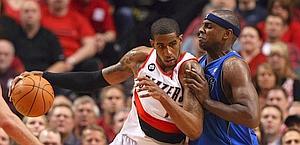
(32, 96)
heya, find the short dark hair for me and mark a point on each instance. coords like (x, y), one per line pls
(164, 26)
(277, 87)
(292, 120)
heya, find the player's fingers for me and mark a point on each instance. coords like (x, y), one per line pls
(144, 95)
(196, 76)
(191, 81)
(142, 78)
(13, 83)
(143, 83)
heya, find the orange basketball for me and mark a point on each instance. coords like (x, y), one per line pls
(32, 96)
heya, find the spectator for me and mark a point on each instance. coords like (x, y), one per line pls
(271, 121)
(290, 31)
(61, 118)
(4, 138)
(291, 137)
(99, 14)
(294, 108)
(7, 73)
(264, 80)
(11, 8)
(74, 32)
(293, 121)
(50, 136)
(190, 36)
(277, 96)
(86, 113)
(62, 100)
(112, 101)
(251, 43)
(119, 119)
(37, 47)
(35, 124)
(93, 135)
(251, 12)
(279, 60)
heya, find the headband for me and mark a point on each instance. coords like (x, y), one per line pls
(223, 23)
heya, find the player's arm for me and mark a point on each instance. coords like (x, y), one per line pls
(86, 81)
(244, 99)
(14, 127)
(189, 118)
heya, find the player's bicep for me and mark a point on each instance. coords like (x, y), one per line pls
(237, 75)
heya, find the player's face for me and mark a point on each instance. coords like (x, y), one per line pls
(270, 120)
(210, 35)
(291, 138)
(85, 115)
(93, 137)
(4, 138)
(36, 124)
(30, 13)
(167, 49)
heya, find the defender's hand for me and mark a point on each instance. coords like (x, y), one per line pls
(197, 84)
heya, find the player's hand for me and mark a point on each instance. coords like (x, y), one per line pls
(145, 84)
(20, 77)
(197, 84)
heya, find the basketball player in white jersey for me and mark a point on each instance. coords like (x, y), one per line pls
(164, 110)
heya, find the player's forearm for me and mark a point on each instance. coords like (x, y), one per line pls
(77, 81)
(15, 128)
(237, 113)
(187, 122)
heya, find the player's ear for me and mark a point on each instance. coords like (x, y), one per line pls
(227, 34)
(151, 42)
(180, 37)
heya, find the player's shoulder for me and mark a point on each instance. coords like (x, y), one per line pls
(139, 53)
(235, 63)
(235, 69)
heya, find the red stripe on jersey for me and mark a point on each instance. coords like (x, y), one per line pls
(143, 65)
(158, 124)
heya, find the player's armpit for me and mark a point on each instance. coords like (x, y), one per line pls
(127, 66)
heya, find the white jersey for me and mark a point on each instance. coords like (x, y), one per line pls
(148, 122)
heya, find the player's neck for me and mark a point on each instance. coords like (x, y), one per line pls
(217, 54)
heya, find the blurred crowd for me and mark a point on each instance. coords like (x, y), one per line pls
(87, 35)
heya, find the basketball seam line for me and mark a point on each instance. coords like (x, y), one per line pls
(34, 96)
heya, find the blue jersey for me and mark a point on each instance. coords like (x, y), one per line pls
(217, 131)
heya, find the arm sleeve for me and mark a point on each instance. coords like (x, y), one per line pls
(77, 81)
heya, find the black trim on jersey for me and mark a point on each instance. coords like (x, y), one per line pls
(161, 136)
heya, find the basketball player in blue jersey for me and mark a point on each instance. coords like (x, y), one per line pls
(163, 110)
(231, 110)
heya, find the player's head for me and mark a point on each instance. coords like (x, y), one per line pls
(219, 29)
(166, 39)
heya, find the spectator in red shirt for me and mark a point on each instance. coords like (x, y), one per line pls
(250, 41)
(11, 8)
(75, 33)
(291, 29)
(98, 12)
